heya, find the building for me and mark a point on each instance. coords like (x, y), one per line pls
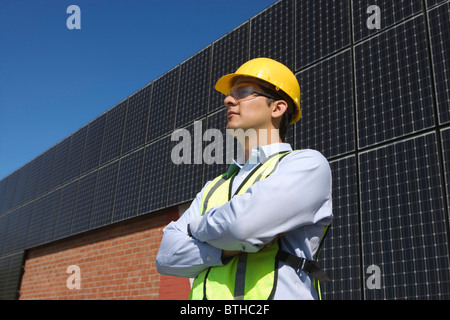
(375, 103)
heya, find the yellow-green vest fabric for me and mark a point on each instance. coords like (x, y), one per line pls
(248, 276)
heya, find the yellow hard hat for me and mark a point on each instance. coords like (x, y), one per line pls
(270, 71)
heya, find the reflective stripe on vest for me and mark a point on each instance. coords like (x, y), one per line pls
(249, 276)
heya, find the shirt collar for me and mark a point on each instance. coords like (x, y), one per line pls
(259, 155)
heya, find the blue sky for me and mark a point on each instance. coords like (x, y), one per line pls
(54, 80)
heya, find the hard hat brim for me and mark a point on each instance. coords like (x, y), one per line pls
(224, 84)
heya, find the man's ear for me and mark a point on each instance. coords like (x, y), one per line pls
(279, 107)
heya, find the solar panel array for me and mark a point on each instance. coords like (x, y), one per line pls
(375, 102)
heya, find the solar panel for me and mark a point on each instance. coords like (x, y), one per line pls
(3, 229)
(439, 21)
(391, 12)
(155, 171)
(403, 219)
(185, 179)
(10, 236)
(393, 85)
(327, 124)
(10, 274)
(218, 121)
(431, 3)
(11, 183)
(112, 139)
(445, 138)
(93, 145)
(32, 180)
(3, 191)
(104, 195)
(316, 33)
(45, 171)
(20, 187)
(64, 217)
(163, 103)
(83, 203)
(59, 163)
(136, 120)
(272, 33)
(49, 218)
(127, 192)
(226, 59)
(75, 156)
(194, 88)
(23, 223)
(31, 223)
(340, 255)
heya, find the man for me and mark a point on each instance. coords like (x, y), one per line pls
(255, 231)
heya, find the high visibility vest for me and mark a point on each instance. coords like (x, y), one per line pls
(249, 276)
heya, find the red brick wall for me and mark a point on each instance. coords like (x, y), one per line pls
(116, 262)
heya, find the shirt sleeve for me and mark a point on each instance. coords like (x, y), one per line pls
(181, 255)
(297, 194)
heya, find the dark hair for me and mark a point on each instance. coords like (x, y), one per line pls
(288, 114)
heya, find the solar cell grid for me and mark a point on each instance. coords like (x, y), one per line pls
(155, 175)
(403, 220)
(439, 21)
(112, 140)
(193, 95)
(45, 171)
(393, 85)
(445, 139)
(11, 184)
(316, 34)
(127, 192)
(64, 217)
(228, 54)
(33, 175)
(431, 3)
(31, 220)
(49, 218)
(392, 12)
(83, 203)
(272, 33)
(10, 272)
(217, 121)
(93, 144)
(163, 103)
(4, 219)
(59, 163)
(10, 236)
(327, 124)
(137, 120)
(104, 195)
(186, 178)
(21, 185)
(340, 255)
(75, 156)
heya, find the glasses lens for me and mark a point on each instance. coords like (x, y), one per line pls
(241, 92)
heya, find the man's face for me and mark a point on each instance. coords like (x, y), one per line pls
(249, 112)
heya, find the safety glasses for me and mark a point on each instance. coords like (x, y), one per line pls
(243, 92)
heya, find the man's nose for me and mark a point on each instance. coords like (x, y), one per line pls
(229, 101)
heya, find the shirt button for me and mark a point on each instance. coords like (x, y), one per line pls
(208, 258)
